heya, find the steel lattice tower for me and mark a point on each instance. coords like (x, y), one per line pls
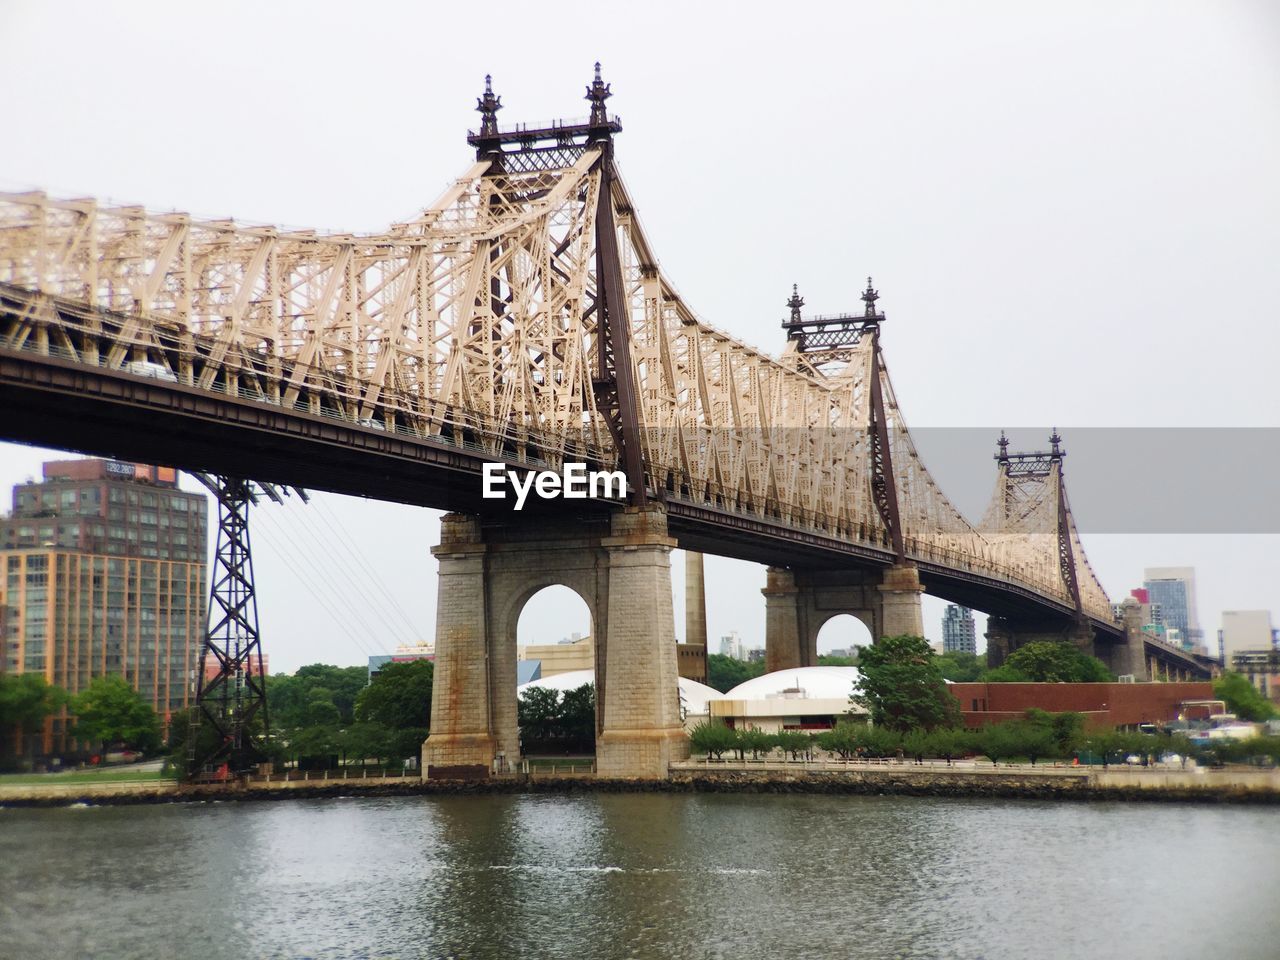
(237, 693)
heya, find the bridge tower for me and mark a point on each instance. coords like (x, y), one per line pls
(620, 565)
(1030, 503)
(845, 348)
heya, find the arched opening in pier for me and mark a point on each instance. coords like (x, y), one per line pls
(556, 663)
(841, 635)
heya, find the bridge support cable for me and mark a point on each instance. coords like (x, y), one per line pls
(231, 692)
(312, 576)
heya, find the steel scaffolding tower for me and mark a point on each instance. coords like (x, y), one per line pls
(236, 694)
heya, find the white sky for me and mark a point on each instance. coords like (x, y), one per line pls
(1072, 214)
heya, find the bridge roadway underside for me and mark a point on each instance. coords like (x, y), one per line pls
(54, 402)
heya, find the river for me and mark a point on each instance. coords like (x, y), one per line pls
(641, 875)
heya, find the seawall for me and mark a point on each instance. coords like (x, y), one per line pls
(1018, 782)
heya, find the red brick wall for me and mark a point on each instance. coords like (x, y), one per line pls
(1103, 704)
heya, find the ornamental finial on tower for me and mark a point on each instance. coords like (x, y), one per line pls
(598, 93)
(1054, 441)
(1003, 444)
(795, 303)
(869, 297)
(488, 106)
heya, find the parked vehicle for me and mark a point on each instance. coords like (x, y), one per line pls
(157, 371)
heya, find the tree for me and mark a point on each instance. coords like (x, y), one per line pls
(1066, 729)
(949, 742)
(850, 738)
(360, 741)
(712, 737)
(1004, 674)
(578, 717)
(399, 697)
(756, 740)
(794, 742)
(1035, 741)
(1049, 661)
(830, 660)
(999, 741)
(902, 686)
(960, 667)
(1045, 661)
(288, 697)
(316, 747)
(26, 699)
(109, 711)
(916, 743)
(537, 712)
(842, 739)
(725, 673)
(406, 742)
(343, 683)
(321, 711)
(1242, 698)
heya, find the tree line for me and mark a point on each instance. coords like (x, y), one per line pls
(318, 715)
(903, 690)
(108, 713)
(1035, 737)
(324, 716)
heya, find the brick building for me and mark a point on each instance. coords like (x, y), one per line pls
(104, 573)
(1104, 705)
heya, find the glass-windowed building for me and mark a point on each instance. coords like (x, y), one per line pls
(1172, 592)
(959, 634)
(103, 569)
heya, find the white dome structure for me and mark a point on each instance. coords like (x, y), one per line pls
(694, 696)
(802, 698)
(799, 683)
(569, 680)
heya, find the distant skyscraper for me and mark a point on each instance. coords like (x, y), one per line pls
(1244, 630)
(731, 645)
(958, 633)
(1172, 592)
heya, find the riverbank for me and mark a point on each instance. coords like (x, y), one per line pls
(906, 779)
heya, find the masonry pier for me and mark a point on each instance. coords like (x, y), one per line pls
(621, 568)
(799, 601)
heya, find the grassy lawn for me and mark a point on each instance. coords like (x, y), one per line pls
(80, 776)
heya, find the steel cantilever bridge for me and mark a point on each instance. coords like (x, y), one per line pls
(524, 318)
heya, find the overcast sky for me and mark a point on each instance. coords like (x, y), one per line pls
(1072, 215)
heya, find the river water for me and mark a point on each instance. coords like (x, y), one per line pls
(641, 875)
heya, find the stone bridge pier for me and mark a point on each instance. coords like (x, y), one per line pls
(1125, 656)
(799, 601)
(621, 568)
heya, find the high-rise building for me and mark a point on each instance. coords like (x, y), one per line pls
(731, 646)
(1172, 591)
(104, 573)
(958, 632)
(1244, 630)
